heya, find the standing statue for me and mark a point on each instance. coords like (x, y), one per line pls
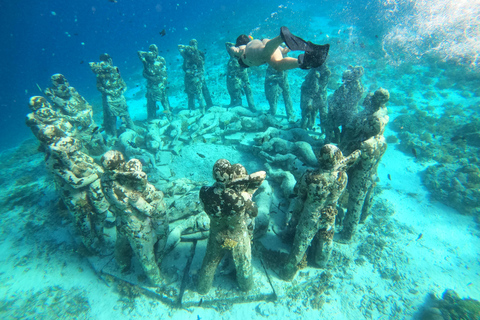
(112, 87)
(195, 84)
(77, 179)
(229, 205)
(142, 223)
(72, 106)
(314, 97)
(238, 82)
(343, 104)
(315, 208)
(365, 132)
(276, 82)
(155, 71)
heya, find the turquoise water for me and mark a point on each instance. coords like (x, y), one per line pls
(421, 238)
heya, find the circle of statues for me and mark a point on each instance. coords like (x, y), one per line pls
(101, 173)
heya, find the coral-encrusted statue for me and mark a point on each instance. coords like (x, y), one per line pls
(315, 209)
(276, 82)
(238, 82)
(77, 178)
(365, 133)
(313, 100)
(194, 67)
(112, 88)
(155, 71)
(69, 102)
(74, 108)
(142, 223)
(343, 104)
(229, 205)
(43, 115)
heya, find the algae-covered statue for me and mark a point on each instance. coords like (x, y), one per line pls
(314, 209)
(73, 107)
(238, 82)
(142, 223)
(155, 71)
(343, 104)
(365, 133)
(195, 84)
(276, 82)
(313, 99)
(77, 179)
(44, 115)
(69, 102)
(112, 87)
(229, 205)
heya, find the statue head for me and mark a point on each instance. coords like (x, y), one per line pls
(112, 160)
(329, 157)
(59, 81)
(37, 102)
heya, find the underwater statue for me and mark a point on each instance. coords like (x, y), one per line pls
(112, 87)
(313, 99)
(77, 179)
(72, 106)
(343, 104)
(366, 134)
(238, 82)
(315, 207)
(229, 205)
(142, 222)
(43, 115)
(276, 82)
(69, 102)
(195, 84)
(155, 71)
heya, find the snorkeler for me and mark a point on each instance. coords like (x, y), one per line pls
(254, 52)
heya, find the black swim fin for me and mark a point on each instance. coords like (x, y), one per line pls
(293, 42)
(314, 56)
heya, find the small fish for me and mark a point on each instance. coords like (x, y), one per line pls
(389, 177)
(293, 195)
(166, 111)
(457, 138)
(172, 205)
(200, 302)
(39, 88)
(414, 151)
(113, 1)
(419, 236)
(162, 33)
(81, 61)
(118, 70)
(95, 129)
(132, 143)
(200, 155)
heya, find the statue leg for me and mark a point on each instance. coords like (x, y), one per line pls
(242, 257)
(212, 258)
(123, 251)
(305, 232)
(323, 242)
(151, 108)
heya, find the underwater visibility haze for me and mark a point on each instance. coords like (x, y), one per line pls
(240, 160)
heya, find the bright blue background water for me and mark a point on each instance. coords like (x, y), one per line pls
(40, 38)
